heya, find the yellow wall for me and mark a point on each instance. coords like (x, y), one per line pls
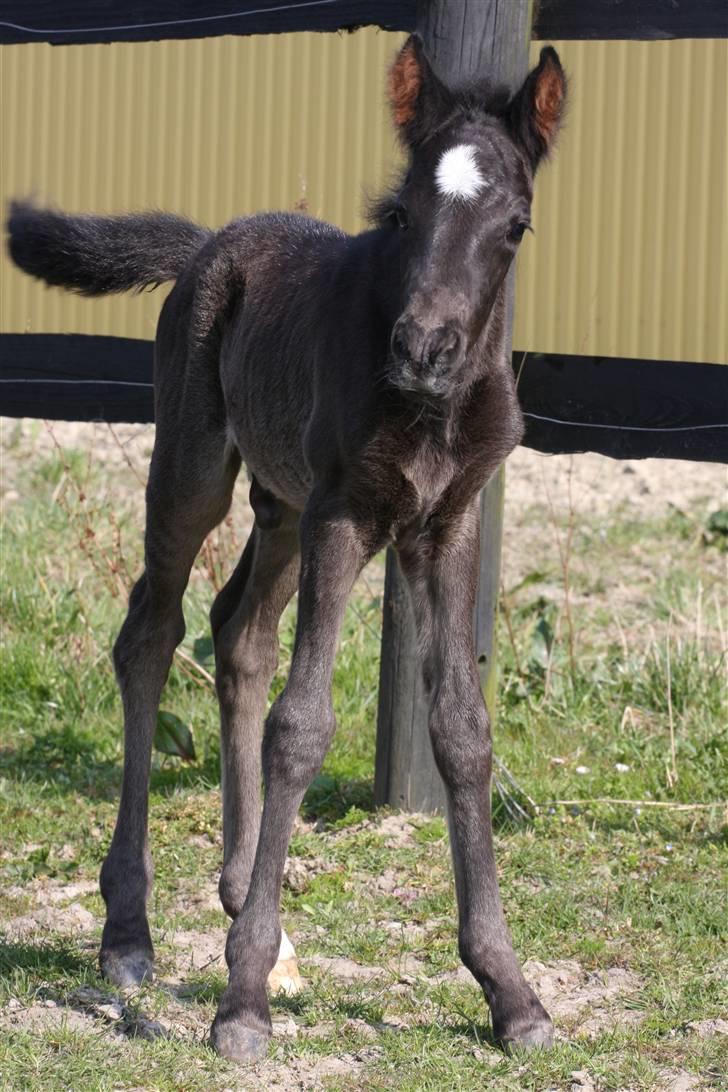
(632, 229)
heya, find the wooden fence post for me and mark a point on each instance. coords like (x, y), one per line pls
(462, 38)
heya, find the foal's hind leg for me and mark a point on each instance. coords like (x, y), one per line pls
(187, 496)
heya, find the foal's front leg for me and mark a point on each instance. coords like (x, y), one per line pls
(443, 580)
(297, 735)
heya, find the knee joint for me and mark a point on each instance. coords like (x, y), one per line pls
(296, 740)
(241, 659)
(461, 741)
(145, 632)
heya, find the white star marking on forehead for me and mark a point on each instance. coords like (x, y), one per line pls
(458, 175)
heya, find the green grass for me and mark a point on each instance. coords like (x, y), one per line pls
(634, 888)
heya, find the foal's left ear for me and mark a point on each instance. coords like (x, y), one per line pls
(537, 110)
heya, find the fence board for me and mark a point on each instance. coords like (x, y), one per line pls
(628, 409)
(82, 21)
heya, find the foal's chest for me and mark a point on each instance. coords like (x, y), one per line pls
(428, 471)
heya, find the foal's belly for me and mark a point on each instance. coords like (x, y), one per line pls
(268, 403)
(274, 456)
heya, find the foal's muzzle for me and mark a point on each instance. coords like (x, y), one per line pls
(423, 357)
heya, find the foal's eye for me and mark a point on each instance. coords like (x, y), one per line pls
(400, 217)
(518, 231)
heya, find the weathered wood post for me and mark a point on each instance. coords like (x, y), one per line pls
(462, 37)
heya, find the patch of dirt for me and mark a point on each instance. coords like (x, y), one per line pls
(408, 931)
(707, 1029)
(581, 1081)
(549, 487)
(582, 1003)
(397, 829)
(128, 1019)
(599, 485)
(198, 896)
(309, 1074)
(196, 950)
(60, 894)
(51, 919)
(45, 890)
(299, 871)
(46, 1016)
(118, 445)
(679, 1080)
(345, 969)
(461, 975)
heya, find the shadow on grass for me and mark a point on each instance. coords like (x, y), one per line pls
(371, 1012)
(327, 1005)
(197, 989)
(72, 761)
(332, 798)
(44, 959)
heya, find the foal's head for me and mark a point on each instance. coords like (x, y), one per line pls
(462, 209)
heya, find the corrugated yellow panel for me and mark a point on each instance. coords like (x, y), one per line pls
(212, 129)
(631, 219)
(631, 250)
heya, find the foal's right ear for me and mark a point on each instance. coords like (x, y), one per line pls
(417, 97)
(537, 110)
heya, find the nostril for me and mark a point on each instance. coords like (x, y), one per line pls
(399, 343)
(457, 343)
(445, 345)
(450, 342)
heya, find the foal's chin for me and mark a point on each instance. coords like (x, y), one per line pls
(431, 391)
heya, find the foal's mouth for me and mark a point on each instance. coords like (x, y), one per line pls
(428, 389)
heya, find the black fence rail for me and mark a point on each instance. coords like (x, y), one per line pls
(626, 408)
(75, 22)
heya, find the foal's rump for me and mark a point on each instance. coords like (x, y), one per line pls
(95, 255)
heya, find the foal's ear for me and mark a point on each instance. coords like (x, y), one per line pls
(537, 110)
(417, 97)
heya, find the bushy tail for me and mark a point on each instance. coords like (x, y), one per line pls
(94, 255)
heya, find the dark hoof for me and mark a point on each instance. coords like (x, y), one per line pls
(526, 1030)
(127, 969)
(237, 1042)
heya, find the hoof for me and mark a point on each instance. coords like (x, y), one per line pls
(237, 1042)
(538, 1036)
(128, 969)
(284, 978)
(527, 1029)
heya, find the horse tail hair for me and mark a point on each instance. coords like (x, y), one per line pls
(95, 255)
